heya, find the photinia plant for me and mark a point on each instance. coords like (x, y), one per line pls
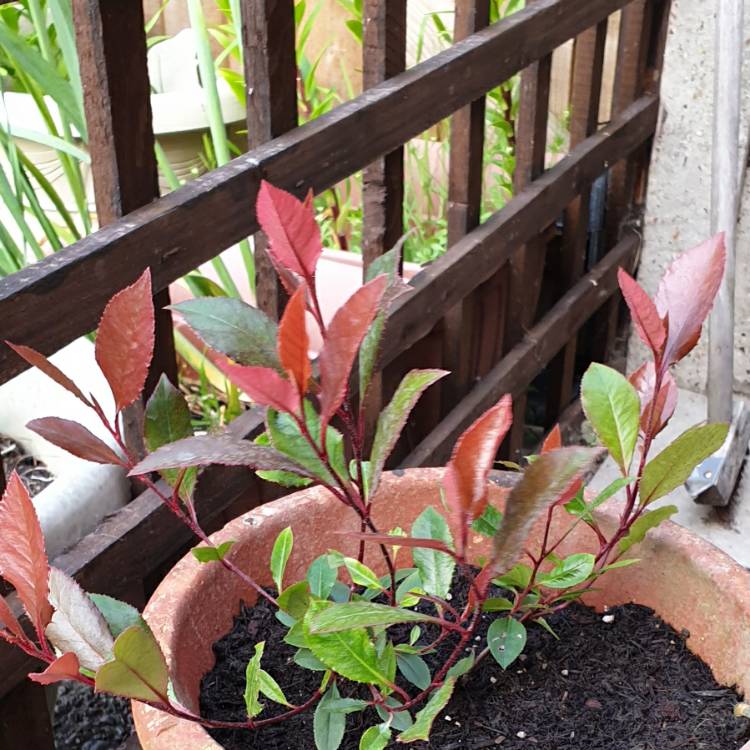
(339, 616)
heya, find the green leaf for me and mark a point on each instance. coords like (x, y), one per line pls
(282, 478)
(375, 738)
(167, 419)
(361, 574)
(435, 568)
(612, 406)
(119, 615)
(295, 599)
(414, 634)
(287, 439)
(506, 639)
(543, 623)
(518, 577)
(305, 658)
(412, 583)
(489, 522)
(462, 666)
(328, 726)
(393, 418)
(361, 614)
(234, 328)
(675, 463)
(347, 705)
(270, 688)
(282, 548)
(399, 720)
(296, 635)
(570, 572)
(138, 669)
(351, 653)
(618, 564)
(420, 730)
(644, 524)
(211, 554)
(252, 682)
(415, 670)
(321, 577)
(497, 604)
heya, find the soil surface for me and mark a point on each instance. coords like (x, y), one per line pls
(33, 473)
(85, 720)
(628, 684)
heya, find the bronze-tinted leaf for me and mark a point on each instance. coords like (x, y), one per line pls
(544, 482)
(473, 457)
(8, 620)
(35, 359)
(294, 344)
(215, 449)
(289, 224)
(65, 667)
(265, 386)
(651, 328)
(342, 340)
(74, 438)
(686, 295)
(23, 560)
(661, 409)
(125, 340)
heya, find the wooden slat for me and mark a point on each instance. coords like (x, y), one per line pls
(50, 303)
(632, 51)
(111, 44)
(541, 343)
(480, 254)
(526, 268)
(271, 81)
(383, 57)
(464, 209)
(586, 85)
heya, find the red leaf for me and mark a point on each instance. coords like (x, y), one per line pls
(294, 344)
(650, 326)
(644, 381)
(9, 621)
(686, 294)
(342, 340)
(23, 560)
(35, 359)
(74, 438)
(65, 667)
(468, 470)
(125, 340)
(265, 386)
(291, 229)
(553, 441)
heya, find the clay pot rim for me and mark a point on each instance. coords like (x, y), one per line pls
(722, 570)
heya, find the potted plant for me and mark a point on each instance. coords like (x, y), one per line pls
(391, 589)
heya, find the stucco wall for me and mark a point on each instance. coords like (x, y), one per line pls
(679, 192)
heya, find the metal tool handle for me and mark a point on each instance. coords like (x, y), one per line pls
(725, 183)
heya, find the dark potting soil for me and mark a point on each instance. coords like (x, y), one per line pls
(629, 684)
(85, 720)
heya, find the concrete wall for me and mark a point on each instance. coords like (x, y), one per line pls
(679, 192)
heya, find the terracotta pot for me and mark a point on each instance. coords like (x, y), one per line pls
(689, 583)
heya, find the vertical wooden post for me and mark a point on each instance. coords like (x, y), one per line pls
(383, 56)
(111, 44)
(586, 84)
(630, 82)
(464, 208)
(527, 262)
(271, 87)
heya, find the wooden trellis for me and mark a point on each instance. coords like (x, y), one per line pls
(508, 300)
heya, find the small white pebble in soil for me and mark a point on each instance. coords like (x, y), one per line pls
(521, 735)
(447, 718)
(608, 619)
(449, 596)
(457, 723)
(572, 735)
(477, 637)
(493, 680)
(564, 672)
